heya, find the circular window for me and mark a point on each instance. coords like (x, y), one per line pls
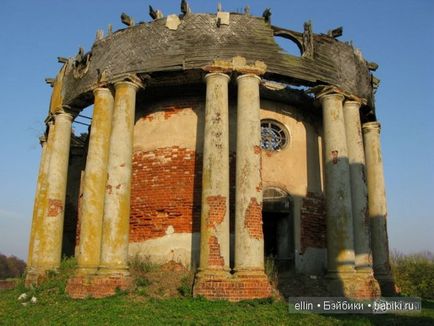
(274, 135)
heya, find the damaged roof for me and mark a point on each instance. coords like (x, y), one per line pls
(199, 39)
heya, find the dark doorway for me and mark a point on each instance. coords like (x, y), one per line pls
(278, 228)
(272, 223)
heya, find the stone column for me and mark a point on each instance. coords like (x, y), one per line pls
(340, 252)
(249, 241)
(40, 200)
(114, 250)
(214, 236)
(51, 231)
(94, 183)
(377, 208)
(359, 192)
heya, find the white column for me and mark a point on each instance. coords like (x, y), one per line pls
(114, 250)
(249, 240)
(94, 183)
(40, 200)
(50, 246)
(214, 244)
(340, 252)
(359, 191)
(377, 207)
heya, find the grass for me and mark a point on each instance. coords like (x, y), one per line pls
(54, 307)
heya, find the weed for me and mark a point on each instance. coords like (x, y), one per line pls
(186, 287)
(142, 281)
(271, 269)
(141, 264)
(257, 302)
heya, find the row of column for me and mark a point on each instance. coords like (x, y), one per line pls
(249, 245)
(356, 212)
(104, 217)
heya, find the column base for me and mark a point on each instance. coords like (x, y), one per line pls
(237, 287)
(36, 275)
(119, 271)
(387, 285)
(86, 270)
(353, 285)
(97, 286)
(33, 278)
(213, 274)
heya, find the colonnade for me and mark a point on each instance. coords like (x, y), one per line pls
(105, 206)
(355, 204)
(104, 217)
(249, 244)
(355, 224)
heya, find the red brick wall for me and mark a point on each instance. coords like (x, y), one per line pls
(253, 219)
(233, 288)
(313, 221)
(165, 190)
(217, 212)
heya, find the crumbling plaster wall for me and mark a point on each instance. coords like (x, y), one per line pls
(167, 174)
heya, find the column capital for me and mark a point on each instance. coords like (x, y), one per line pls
(101, 89)
(237, 64)
(335, 96)
(49, 121)
(64, 112)
(249, 75)
(132, 80)
(323, 91)
(215, 74)
(42, 139)
(373, 125)
(353, 101)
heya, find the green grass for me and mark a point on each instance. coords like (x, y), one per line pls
(55, 308)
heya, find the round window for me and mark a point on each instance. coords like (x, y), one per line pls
(274, 135)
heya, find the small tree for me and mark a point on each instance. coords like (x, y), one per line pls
(11, 266)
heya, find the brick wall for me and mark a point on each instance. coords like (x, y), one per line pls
(233, 288)
(313, 221)
(165, 191)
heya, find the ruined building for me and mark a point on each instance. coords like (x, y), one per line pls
(211, 146)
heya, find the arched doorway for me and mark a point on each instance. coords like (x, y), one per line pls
(278, 227)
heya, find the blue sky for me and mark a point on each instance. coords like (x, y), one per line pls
(398, 35)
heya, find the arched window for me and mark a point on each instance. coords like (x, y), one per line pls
(274, 135)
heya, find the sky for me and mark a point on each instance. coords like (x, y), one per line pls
(396, 34)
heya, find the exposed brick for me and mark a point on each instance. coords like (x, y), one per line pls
(97, 286)
(170, 111)
(214, 258)
(253, 219)
(149, 117)
(165, 190)
(217, 210)
(313, 222)
(233, 288)
(55, 207)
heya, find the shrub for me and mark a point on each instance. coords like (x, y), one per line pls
(414, 273)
